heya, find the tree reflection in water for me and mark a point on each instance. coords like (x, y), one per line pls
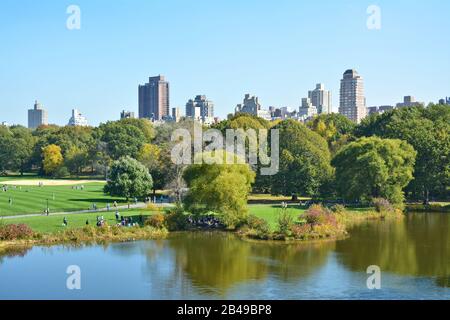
(417, 246)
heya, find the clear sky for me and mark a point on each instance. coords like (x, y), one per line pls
(277, 50)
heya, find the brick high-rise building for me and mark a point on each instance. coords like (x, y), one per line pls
(154, 99)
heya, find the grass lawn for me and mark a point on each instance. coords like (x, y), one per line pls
(270, 212)
(33, 199)
(52, 224)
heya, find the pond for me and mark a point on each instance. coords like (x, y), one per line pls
(413, 255)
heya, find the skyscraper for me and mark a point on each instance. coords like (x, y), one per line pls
(154, 99)
(352, 100)
(200, 109)
(321, 98)
(37, 116)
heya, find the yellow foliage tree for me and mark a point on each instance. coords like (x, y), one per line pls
(52, 158)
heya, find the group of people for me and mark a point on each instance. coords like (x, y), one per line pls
(206, 222)
(78, 187)
(5, 187)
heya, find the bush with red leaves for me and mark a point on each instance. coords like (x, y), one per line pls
(15, 232)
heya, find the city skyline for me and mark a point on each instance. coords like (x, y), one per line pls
(154, 104)
(98, 67)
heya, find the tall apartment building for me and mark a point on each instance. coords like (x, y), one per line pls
(321, 99)
(154, 99)
(200, 109)
(77, 119)
(37, 116)
(352, 99)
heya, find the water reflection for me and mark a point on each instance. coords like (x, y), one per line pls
(220, 261)
(418, 246)
(413, 253)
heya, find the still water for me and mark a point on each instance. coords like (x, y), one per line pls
(413, 254)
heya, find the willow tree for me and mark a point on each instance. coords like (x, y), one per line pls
(373, 167)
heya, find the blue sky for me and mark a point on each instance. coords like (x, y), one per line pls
(277, 50)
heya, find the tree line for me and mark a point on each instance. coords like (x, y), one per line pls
(400, 154)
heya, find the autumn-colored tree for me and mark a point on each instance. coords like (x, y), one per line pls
(52, 158)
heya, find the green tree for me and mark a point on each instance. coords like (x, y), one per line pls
(428, 131)
(144, 125)
(157, 162)
(243, 121)
(122, 139)
(373, 167)
(304, 161)
(128, 178)
(76, 159)
(16, 145)
(220, 188)
(335, 128)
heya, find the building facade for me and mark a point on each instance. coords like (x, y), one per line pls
(307, 109)
(409, 101)
(37, 116)
(252, 106)
(200, 109)
(321, 99)
(154, 99)
(176, 114)
(379, 109)
(77, 119)
(352, 100)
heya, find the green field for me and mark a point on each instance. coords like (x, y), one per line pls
(33, 199)
(52, 224)
(270, 213)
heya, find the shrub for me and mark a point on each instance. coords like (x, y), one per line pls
(338, 209)
(15, 232)
(301, 232)
(61, 172)
(285, 221)
(157, 221)
(316, 215)
(382, 205)
(153, 207)
(176, 220)
(258, 224)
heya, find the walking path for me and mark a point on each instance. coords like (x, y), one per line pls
(112, 209)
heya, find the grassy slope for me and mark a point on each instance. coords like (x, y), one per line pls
(31, 199)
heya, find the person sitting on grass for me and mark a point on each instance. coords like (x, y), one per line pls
(117, 215)
(87, 222)
(65, 222)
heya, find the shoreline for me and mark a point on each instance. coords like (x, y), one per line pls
(112, 234)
